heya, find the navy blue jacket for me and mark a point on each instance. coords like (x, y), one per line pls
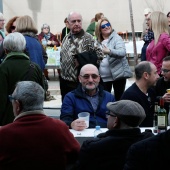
(75, 102)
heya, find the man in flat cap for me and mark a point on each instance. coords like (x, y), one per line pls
(124, 118)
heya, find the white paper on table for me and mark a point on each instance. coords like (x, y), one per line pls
(86, 132)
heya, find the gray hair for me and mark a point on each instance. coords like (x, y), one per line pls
(30, 94)
(45, 25)
(14, 42)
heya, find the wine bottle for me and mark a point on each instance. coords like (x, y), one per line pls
(162, 117)
(155, 118)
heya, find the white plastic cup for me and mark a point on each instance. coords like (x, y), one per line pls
(84, 116)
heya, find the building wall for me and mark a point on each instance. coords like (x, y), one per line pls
(53, 12)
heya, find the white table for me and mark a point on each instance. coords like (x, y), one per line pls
(86, 134)
(53, 61)
(130, 48)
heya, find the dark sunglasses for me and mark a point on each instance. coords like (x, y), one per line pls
(108, 114)
(87, 76)
(165, 70)
(11, 98)
(13, 27)
(105, 25)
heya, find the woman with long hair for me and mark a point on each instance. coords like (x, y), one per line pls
(159, 47)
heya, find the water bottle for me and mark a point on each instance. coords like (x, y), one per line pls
(97, 131)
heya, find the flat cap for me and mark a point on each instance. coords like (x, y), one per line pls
(129, 112)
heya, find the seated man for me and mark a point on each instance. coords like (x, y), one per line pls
(141, 92)
(88, 97)
(164, 83)
(109, 149)
(34, 140)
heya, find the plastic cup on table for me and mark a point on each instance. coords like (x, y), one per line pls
(84, 116)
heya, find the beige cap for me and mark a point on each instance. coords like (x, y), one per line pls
(129, 112)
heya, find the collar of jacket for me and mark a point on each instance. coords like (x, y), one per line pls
(78, 35)
(11, 54)
(121, 132)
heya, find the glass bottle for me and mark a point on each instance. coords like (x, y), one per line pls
(155, 118)
(162, 117)
(97, 131)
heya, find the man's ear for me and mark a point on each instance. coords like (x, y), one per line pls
(115, 122)
(18, 107)
(145, 75)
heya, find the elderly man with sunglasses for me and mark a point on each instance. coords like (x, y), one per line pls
(109, 148)
(88, 97)
(164, 83)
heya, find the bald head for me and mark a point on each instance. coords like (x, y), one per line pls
(87, 68)
(73, 14)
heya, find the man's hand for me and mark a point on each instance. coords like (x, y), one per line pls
(166, 97)
(78, 125)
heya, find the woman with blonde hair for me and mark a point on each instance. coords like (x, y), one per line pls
(114, 68)
(160, 46)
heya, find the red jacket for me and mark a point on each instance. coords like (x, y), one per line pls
(156, 53)
(36, 141)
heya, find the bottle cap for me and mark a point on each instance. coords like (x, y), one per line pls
(97, 127)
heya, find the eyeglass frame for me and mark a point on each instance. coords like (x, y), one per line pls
(105, 25)
(11, 98)
(165, 70)
(108, 114)
(87, 76)
(2, 20)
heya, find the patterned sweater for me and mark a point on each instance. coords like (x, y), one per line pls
(83, 41)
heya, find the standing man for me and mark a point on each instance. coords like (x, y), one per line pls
(164, 83)
(77, 41)
(141, 91)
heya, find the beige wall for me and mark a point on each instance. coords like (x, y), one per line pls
(53, 12)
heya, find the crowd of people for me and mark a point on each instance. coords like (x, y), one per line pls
(30, 139)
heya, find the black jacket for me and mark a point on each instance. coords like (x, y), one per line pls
(109, 150)
(152, 153)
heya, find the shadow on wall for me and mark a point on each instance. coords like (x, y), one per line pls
(34, 6)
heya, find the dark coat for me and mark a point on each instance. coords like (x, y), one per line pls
(152, 153)
(14, 68)
(109, 150)
(38, 142)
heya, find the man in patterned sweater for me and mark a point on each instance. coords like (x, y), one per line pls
(77, 41)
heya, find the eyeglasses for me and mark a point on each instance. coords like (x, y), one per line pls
(11, 98)
(12, 27)
(87, 76)
(165, 70)
(2, 20)
(108, 114)
(105, 25)
(45, 28)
